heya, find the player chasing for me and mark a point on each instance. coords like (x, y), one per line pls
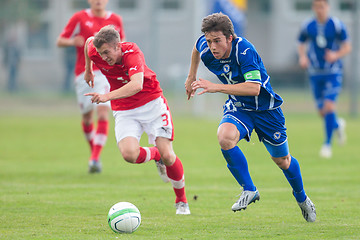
(328, 43)
(81, 26)
(252, 105)
(138, 106)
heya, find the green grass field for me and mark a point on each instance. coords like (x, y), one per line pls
(46, 192)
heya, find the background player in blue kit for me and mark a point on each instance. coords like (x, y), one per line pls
(328, 43)
(252, 105)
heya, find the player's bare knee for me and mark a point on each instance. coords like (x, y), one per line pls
(103, 113)
(228, 136)
(282, 162)
(329, 106)
(168, 158)
(129, 155)
(227, 142)
(87, 118)
(103, 117)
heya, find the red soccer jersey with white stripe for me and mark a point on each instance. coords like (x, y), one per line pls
(85, 24)
(118, 75)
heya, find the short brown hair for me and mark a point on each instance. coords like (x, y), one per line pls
(218, 22)
(107, 34)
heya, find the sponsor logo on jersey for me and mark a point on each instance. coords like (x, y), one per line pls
(226, 68)
(106, 70)
(133, 68)
(122, 79)
(244, 52)
(129, 51)
(225, 61)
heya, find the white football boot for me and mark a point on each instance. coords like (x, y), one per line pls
(341, 134)
(182, 208)
(325, 151)
(245, 199)
(308, 210)
(162, 171)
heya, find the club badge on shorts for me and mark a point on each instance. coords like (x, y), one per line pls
(277, 135)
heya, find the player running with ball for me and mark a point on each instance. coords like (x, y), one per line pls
(252, 105)
(138, 106)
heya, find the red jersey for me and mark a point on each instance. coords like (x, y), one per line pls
(85, 24)
(118, 75)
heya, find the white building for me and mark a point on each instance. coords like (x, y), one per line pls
(166, 31)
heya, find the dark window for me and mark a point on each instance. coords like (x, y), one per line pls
(347, 5)
(38, 36)
(80, 4)
(39, 4)
(262, 6)
(128, 4)
(303, 5)
(170, 4)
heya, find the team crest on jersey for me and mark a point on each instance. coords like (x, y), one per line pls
(89, 24)
(277, 135)
(321, 41)
(226, 68)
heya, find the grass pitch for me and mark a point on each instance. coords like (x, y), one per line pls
(46, 192)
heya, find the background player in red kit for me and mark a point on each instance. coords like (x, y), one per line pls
(81, 26)
(138, 106)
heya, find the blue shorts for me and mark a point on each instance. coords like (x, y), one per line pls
(325, 87)
(269, 126)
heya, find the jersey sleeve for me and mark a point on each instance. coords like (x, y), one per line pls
(343, 36)
(70, 27)
(134, 62)
(91, 50)
(201, 44)
(303, 34)
(249, 62)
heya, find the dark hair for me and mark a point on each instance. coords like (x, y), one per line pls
(107, 34)
(218, 22)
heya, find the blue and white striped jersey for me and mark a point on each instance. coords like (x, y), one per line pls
(329, 35)
(243, 60)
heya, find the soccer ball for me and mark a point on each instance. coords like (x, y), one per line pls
(124, 217)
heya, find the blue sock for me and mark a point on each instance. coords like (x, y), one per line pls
(238, 167)
(330, 125)
(293, 175)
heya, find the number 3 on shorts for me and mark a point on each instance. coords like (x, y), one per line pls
(165, 119)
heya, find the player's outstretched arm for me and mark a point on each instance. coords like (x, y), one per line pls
(303, 59)
(239, 89)
(77, 41)
(195, 61)
(88, 74)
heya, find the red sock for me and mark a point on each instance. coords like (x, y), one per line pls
(147, 154)
(88, 132)
(99, 139)
(176, 174)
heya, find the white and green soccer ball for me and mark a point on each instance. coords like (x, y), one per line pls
(124, 217)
